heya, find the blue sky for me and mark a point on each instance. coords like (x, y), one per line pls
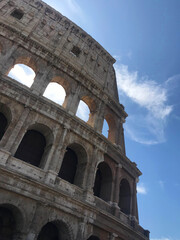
(144, 38)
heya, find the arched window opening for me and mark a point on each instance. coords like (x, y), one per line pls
(3, 125)
(55, 230)
(23, 74)
(124, 196)
(105, 130)
(49, 232)
(93, 238)
(5, 119)
(83, 111)
(7, 224)
(31, 148)
(74, 165)
(55, 92)
(111, 124)
(103, 182)
(69, 166)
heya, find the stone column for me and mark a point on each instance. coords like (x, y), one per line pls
(90, 177)
(112, 236)
(7, 61)
(115, 202)
(120, 135)
(59, 152)
(99, 118)
(72, 101)
(55, 156)
(81, 230)
(17, 133)
(134, 201)
(41, 80)
(117, 183)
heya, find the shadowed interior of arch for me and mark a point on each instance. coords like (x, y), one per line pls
(31, 148)
(55, 230)
(55, 92)
(124, 196)
(83, 111)
(7, 224)
(23, 74)
(49, 232)
(69, 166)
(103, 182)
(93, 238)
(3, 124)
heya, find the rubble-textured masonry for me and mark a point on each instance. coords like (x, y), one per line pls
(60, 178)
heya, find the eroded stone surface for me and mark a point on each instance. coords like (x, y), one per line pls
(34, 34)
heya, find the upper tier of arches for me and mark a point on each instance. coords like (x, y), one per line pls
(64, 92)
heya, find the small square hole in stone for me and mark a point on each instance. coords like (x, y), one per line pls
(17, 14)
(76, 51)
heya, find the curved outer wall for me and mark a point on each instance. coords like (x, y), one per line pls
(59, 51)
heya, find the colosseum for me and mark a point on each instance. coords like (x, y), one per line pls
(60, 177)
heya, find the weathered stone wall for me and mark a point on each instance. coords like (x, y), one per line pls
(43, 39)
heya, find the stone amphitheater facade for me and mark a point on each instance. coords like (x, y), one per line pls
(60, 178)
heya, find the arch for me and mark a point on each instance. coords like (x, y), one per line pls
(5, 119)
(23, 74)
(55, 230)
(35, 145)
(83, 111)
(63, 82)
(11, 222)
(93, 238)
(74, 164)
(103, 182)
(55, 92)
(105, 130)
(69, 166)
(87, 114)
(112, 127)
(124, 196)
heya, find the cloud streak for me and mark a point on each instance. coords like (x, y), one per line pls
(144, 128)
(141, 189)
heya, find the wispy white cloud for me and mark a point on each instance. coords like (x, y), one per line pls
(141, 189)
(147, 128)
(117, 57)
(22, 74)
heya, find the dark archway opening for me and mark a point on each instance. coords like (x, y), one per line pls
(3, 124)
(7, 224)
(93, 238)
(125, 196)
(103, 182)
(69, 166)
(49, 232)
(31, 148)
(97, 184)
